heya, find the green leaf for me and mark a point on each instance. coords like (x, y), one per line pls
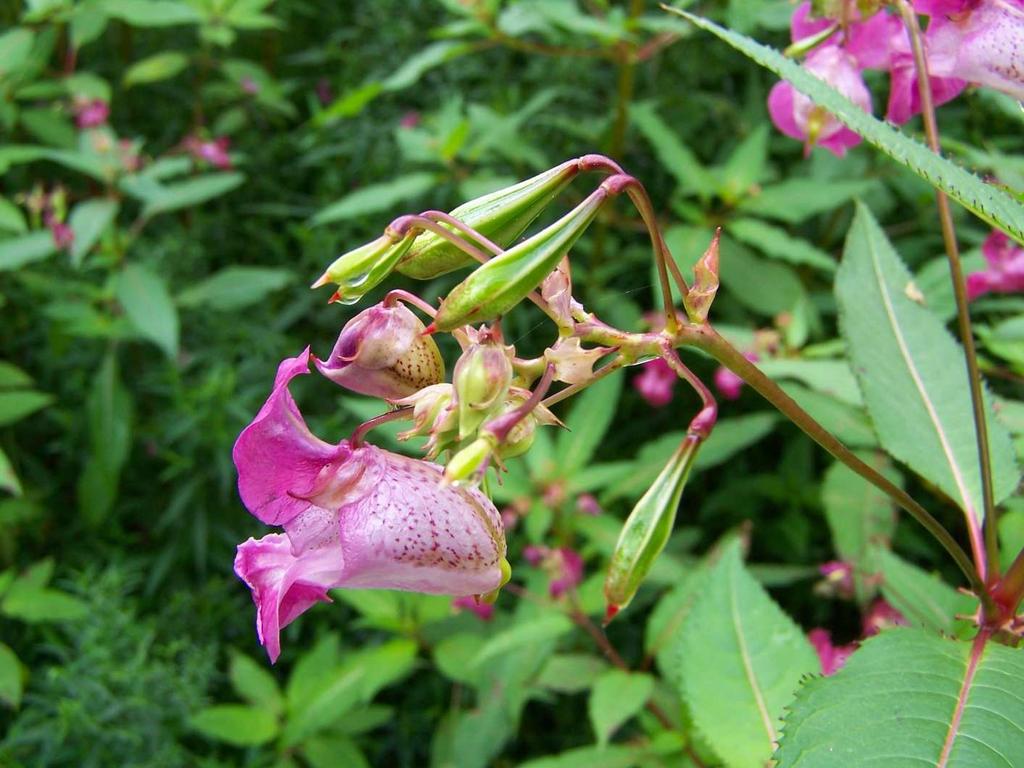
(861, 518)
(906, 698)
(571, 672)
(159, 66)
(8, 477)
(912, 374)
(617, 696)
(16, 405)
(333, 751)
(173, 197)
(779, 244)
(255, 684)
(745, 166)
(11, 217)
(334, 693)
(234, 288)
(15, 47)
(450, 657)
(667, 622)
(10, 677)
(765, 287)
(546, 627)
(923, 598)
(587, 423)
(795, 200)
(987, 201)
(376, 198)
(148, 304)
(151, 13)
(415, 66)
(18, 251)
(236, 724)
(88, 221)
(849, 423)
(832, 377)
(600, 757)
(741, 663)
(672, 154)
(35, 603)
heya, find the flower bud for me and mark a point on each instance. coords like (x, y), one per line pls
(698, 299)
(497, 286)
(362, 269)
(469, 463)
(382, 352)
(647, 529)
(482, 377)
(428, 405)
(501, 216)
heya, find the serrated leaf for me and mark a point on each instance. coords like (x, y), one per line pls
(254, 683)
(849, 423)
(237, 724)
(235, 288)
(742, 665)
(616, 697)
(667, 621)
(159, 66)
(924, 599)
(912, 374)
(147, 303)
(587, 423)
(860, 517)
(599, 757)
(375, 198)
(10, 677)
(987, 201)
(88, 220)
(907, 697)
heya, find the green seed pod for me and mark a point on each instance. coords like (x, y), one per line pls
(647, 529)
(362, 269)
(501, 216)
(469, 463)
(505, 280)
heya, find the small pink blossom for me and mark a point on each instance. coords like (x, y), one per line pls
(324, 92)
(563, 565)
(832, 657)
(904, 93)
(656, 383)
(797, 116)
(212, 151)
(839, 577)
(587, 504)
(881, 615)
(354, 516)
(410, 119)
(1005, 273)
(63, 237)
(249, 86)
(484, 611)
(728, 384)
(91, 113)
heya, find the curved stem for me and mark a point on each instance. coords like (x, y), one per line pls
(572, 389)
(989, 570)
(711, 342)
(409, 298)
(360, 432)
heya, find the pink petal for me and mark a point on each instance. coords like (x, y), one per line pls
(280, 462)
(869, 41)
(988, 45)
(801, 25)
(283, 586)
(780, 108)
(656, 384)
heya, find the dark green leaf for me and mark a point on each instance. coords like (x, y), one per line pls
(147, 303)
(235, 288)
(236, 724)
(376, 198)
(10, 677)
(88, 221)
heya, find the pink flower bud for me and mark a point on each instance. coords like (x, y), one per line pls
(656, 384)
(587, 504)
(838, 578)
(881, 615)
(832, 657)
(353, 516)
(563, 565)
(91, 113)
(214, 151)
(728, 384)
(1005, 273)
(382, 352)
(484, 611)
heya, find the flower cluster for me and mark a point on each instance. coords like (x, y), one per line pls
(966, 42)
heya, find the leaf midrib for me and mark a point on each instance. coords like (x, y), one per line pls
(918, 382)
(977, 647)
(748, 669)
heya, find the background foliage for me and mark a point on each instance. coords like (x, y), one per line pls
(247, 143)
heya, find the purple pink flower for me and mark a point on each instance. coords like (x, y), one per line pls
(90, 113)
(563, 565)
(656, 383)
(354, 516)
(212, 151)
(1005, 273)
(832, 657)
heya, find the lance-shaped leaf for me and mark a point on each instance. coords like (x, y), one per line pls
(908, 697)
(741, 662)
(505, 280)
(912, 374)
(647, 529)
(501, 216)
(985, 200)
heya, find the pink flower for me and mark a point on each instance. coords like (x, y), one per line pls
(382, 352)
(1005, 273)
(657, 382)
(324, 92)
(798, 117)
(728, 384)
(564, 567)
(881, 615)
(904, 95)
(91, 113)
(587, 504)
(63, 236)
(213, 151)
(353, 516)
(839, 577)
(249, 86)
(484, 611)
(410, 119)
(832, 657)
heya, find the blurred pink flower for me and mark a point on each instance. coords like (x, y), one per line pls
(798, 117)
(91, 113)
(324, 92)
(839, 576)
(656, 383)
(250, 86)
(563, 565)
(904, 95)
(832, 657)
(353, 516)
(212, 151)
(410, 119)
(587, 504)
(484, 611)
(881, 615)
(1005, 273)
(63, 237)
(728, 384)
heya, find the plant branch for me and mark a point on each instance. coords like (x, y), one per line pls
(989, 570)
(710, 341)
